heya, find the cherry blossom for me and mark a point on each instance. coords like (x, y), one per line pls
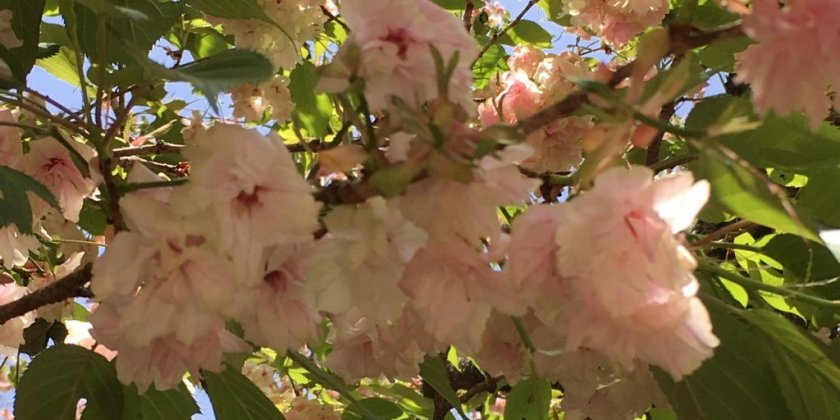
(11, 332)
(50, 163)
(798, 39)
(393, 43)
(361, 261)
(241, 183)
(617, 21)
(15, 246)
(10, 150)
(639, 300)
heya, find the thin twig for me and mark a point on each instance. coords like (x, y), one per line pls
(497, 35)
(721, 233)
(67, 287)
(334, 18)
(148, 149)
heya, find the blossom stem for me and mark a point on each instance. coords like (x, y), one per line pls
(749, 283)
(523, 334)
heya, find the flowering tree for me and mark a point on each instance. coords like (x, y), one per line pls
(421, 209)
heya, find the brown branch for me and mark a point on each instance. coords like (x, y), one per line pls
(498, 35)
(67, 287)
(147, 149)
(334, 18)
(467, 18)
(683, 39)
(721, 233)
(665, 114)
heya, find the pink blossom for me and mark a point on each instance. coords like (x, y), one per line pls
(525, 58)
(361, 261)
(453, 289)
(10, 144)
(306, 409)
(799, 39)
(277, 311)
(617, 21)
(519, 99)
(11, 332)
(364, 349)
(638, 300)
(596, 389)
(15, 246)
(164, 360)
(50, 163)
(394, 40)
(242, 184)
(496, 182)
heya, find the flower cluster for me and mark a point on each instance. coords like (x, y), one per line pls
(535, 81)
(295, 22)
(616, 21)
(798, 39)
(390, 47)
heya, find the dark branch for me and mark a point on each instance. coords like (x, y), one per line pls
(468, 11)
(70, 286)
(147, 149)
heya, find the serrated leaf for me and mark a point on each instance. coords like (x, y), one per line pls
(222, 71)
(809, 379)
(235, 397)
(171, 404)
(433, 371)
(529, 32)
(529, 399)
(741, 192)
(14, 202)
(60, 376)
(381, 408)
(25, 23)
(312, 110)
(138, 23)
(37, 335)
(736, 383)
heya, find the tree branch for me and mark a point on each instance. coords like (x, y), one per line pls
(498, 35)
(67, 287)
(467, 18)
(147, 149)
(682, 38)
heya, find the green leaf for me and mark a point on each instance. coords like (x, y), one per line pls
(433, 371)
(529, 399)
(138, 23)
(312, 111)
(219, 72)
(60, 376)
(809, 379)
(158, 405)
(720, 56)
(494, 60)
(736, 383)
(62, 65)
(26, 20)
(788, 143)
(37, 336)
(819, 198)
(553, 10)
(14, 203)
(530, 32)
(380, 408)
(741, 192)
(805, 260)
(233, 9)
(235, 397)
